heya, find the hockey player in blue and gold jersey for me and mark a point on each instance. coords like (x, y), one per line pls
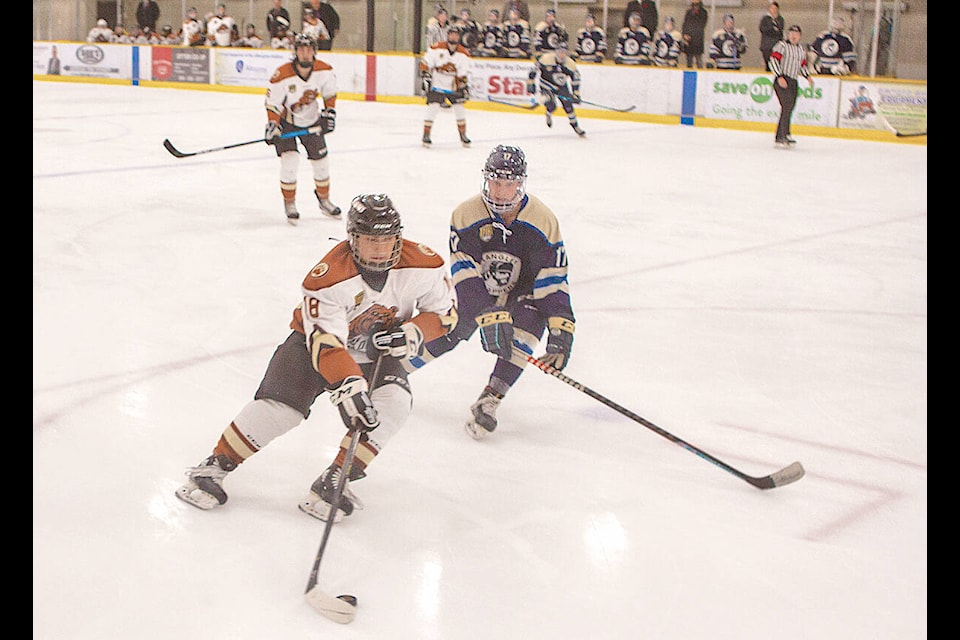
(559, 81)
(509, 267)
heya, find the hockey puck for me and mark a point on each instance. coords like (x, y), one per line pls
(351, 600)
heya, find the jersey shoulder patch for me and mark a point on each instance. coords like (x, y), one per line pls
(418, 255)
(282, 72)
(320, 65)
(335, 267)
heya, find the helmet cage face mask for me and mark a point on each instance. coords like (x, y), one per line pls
(505, 163)
(373, 216)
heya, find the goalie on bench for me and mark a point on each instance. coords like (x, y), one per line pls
(373, 293)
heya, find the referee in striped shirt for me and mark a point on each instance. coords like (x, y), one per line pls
(787, 61)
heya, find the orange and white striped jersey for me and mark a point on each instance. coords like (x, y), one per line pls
(292, 99)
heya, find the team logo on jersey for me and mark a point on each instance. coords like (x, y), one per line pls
(500, 271)
(357, 299)
(425, 250)
(319, 270)
(486, 233)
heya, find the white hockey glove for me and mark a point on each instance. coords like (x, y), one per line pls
(272, 132)
(404, 342)
(356, 408)
(328, 120)
(559, 342)
(496, 331)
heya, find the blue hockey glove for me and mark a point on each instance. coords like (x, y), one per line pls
(496, 331)
(353, 401)
(559, 342)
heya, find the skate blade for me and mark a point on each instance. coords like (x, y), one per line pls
(197, 498)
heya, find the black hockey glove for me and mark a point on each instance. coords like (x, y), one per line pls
(576, 97)
(328, 120)
(425, 81)
(404, 341)
(356, 408)
(559, 342)
(496, 331)
(272, 133)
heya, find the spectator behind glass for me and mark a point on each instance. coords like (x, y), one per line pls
(771, 31)
(278, 11)
(649, 16)
(148, 12)
(521, 8)
(694, 25)
(330, 19)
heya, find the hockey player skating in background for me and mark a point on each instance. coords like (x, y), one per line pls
(293, 102)
(833, 51)
(373, 293)
(509, 267)
(559, 81)
(443, 72)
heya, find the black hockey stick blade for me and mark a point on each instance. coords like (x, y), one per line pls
(173, 150)
(529, 106)
(789, 474)
(910, 135)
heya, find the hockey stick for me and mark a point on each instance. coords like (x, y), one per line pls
(343, 608)
(180, 154)
(594, 104)
(532, 105)
(790, 473)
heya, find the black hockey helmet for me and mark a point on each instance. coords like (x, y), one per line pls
(505, 162)
(373, 214)
(304, 40)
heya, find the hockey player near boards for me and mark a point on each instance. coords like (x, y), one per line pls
(293, 102)
(443, 72)
(728, 44)
(374, 294)
(559, 82)
(833, 52)
(509, 267)
(634, 43)
(591, 41)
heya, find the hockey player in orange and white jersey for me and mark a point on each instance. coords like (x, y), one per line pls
(101, 33)
(192, 31)
(373, 297)
(302, 94)
(313, 26)
(222, 29)
(443, 72)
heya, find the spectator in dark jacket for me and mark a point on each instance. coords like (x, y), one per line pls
(771, 31)
(649, 16)
(330, 19)
(148, 12)
(278, 11)
(694, 24)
